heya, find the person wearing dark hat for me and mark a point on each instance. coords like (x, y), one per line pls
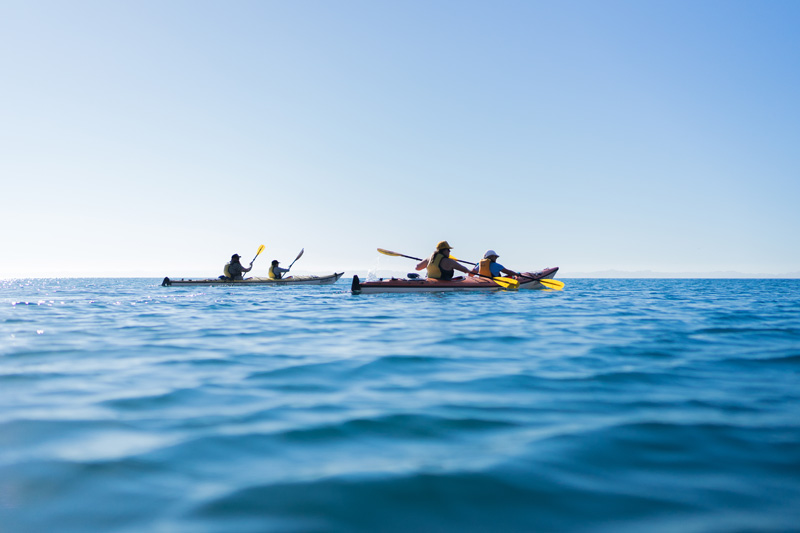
(276, 272)
(439, 265)
(234, 270)
(488, 266)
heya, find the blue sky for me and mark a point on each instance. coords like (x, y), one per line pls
(158, 138)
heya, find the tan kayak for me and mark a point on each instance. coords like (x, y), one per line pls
(293, 280)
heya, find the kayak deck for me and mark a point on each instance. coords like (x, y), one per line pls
(547, 273)
(294, 280)
(399, 285)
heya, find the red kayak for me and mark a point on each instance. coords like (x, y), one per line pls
(530, 281)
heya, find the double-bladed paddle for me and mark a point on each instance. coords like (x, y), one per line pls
(550, 283)
(260, 249)
(387, 252)
(296, 258)
(506, 283)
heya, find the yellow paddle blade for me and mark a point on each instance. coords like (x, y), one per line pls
(387, 252)
(260, 249)
(395, 254)
(552, 283)
(508, 283)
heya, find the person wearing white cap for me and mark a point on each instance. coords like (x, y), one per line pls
(488, 266)
(439, 265)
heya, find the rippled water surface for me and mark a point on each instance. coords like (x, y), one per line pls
(615, 405)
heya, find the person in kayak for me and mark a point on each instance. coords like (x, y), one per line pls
(488, 266)
(439, 265)
(234, 270)
(276, 272)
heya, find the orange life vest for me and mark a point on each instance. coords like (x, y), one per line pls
(484, 267)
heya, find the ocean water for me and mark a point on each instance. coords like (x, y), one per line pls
(614, 405)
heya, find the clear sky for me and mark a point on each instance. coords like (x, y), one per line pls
(155, 138)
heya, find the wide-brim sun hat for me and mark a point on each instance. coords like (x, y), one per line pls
(443, 245)
(490, 253)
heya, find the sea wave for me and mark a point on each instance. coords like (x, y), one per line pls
(615, 405)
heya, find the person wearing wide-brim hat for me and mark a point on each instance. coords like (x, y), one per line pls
(439, 264)
(234, 270)
(488, 266)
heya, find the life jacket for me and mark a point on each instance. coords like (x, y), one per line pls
(231, 275)
(272, 274)
(437, 272)
(485, 267)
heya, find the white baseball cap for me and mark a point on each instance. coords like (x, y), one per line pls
(490, 253)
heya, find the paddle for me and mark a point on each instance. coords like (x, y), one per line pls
(502, 278)
(387, 252)
(503, 282)
(551, 283)
(260, 249)
(296, 258)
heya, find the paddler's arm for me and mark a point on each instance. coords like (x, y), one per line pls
(455, 265)
(509, 272)
(422, 264)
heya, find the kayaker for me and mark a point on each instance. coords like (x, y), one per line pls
(234, 270)
(488, 266)
(439, 264)
(276, 272)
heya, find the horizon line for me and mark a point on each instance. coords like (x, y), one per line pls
(595, 274)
